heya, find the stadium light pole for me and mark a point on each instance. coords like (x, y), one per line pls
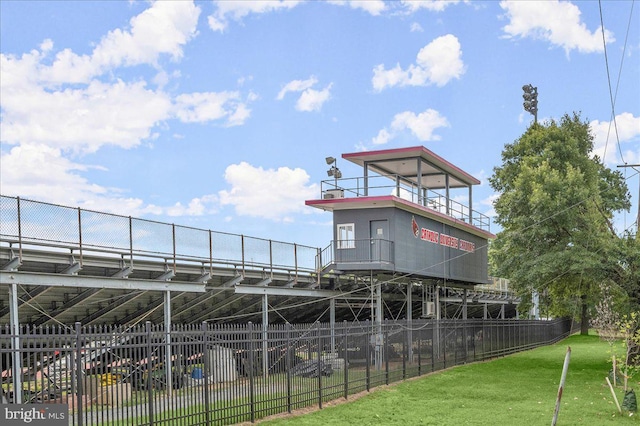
(530, 103)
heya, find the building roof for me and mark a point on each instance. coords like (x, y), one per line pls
(400, 161)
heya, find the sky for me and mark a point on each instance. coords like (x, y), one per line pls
(219, 114)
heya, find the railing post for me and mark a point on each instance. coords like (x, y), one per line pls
(80, 233)
(210, 253)
(173, 237)
(19, 229)
(242, 254)
(130, 242)
(319, 265)
(295, 259)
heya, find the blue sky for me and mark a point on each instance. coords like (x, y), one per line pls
(219, 115)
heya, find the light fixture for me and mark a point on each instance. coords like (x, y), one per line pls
(334, 170)
(530, 103)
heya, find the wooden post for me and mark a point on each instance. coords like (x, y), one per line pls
(565, 367)
(615, 398)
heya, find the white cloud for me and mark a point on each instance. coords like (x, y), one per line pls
(56, 109)
(373, 7)
(296, 86)
(605, 141)
(433, 5)
(281, 192)
(238, 9)
(422, 126)
(164, 28)
(557, 22)
(416, 28)
(437, 63)
(82, 120)
(199, 206)
(209, 106)
(310, 99)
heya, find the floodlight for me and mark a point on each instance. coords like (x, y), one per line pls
(330, 160)
(530, 97)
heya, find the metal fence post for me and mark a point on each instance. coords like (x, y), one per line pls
(385, 345)
(367, 345)
(149, 381)
(288, 361)
(207, 371)
(404, 354)
(346, 361)
(78, 367)
(319, 366)
(252, 401)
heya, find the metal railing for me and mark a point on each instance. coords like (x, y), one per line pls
(36, 224)
(368, 251)
(116, 375)
(401, 188)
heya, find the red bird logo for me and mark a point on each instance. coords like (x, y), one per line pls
(415, 227)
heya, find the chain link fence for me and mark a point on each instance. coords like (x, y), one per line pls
(36, 224)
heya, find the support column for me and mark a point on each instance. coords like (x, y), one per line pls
(167, 332)
(464, 304)
(421, 199)
(502, 312)
(446, 182)
(15, 344)
(378, 321)
(265, 329)
(470, 204)
(486, 311)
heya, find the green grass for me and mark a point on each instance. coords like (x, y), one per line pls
(520, 389)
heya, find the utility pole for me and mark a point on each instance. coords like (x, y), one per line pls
(530, 103)
(633, 166)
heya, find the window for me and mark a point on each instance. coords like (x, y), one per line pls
(346, 236)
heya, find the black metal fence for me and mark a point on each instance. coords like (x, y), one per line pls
(210, 374)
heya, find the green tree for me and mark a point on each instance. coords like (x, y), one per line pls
(555, 207)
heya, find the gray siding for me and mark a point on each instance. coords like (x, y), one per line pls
(418, 255)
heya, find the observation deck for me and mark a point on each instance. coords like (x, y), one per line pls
(403, 215)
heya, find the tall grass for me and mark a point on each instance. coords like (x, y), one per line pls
(519, 389)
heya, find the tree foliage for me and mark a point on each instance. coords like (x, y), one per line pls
(555, 207)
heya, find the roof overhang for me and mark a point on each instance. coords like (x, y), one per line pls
(404, 162)
(396, 202)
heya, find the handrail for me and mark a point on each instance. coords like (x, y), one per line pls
(354, 187)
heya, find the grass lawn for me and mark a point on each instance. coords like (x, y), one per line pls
(520, 389)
